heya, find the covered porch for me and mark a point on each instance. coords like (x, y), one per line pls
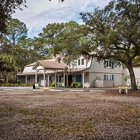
(49, 68)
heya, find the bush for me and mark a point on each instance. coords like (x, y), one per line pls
(53, 84)
(15, 84)
(76, 84)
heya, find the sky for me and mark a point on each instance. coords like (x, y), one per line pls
(42, 12)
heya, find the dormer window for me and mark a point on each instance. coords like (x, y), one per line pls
(82, 61)
(78, 61)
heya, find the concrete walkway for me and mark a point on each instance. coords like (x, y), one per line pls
(59, 89)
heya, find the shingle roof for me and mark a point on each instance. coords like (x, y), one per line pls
(50, 65)
(32, 64)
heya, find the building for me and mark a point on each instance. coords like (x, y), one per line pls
(127, 76)
(86, 71)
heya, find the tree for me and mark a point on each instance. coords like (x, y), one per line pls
(51, 37)
(7, 64)
(30, 51)
(7, 8)
(115, 33)
(70, 43)
(62, 39)
(16, 31)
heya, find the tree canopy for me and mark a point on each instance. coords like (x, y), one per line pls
(62, 38)
(115, 33)
(22, 49)
(7, 64)
(16, 30)
(7, 8)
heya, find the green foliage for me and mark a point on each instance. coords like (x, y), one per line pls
(15, 30)
(136, 61)
(64, 38)
(114, 33)
(127, 77)
(76, 84)
(53, 84)
(7, 7)
(23, 50)
(30, 51)
(6, 63)
(15, 84)
(10, 42)
(7, 66)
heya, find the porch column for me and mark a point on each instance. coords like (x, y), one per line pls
(36, 76)
(48, 80)
(67, 79)
(25, 79)
(64, 78)
(44, 83)
(83, 78)
(55, 78)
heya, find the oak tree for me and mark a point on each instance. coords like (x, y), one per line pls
(114, 33)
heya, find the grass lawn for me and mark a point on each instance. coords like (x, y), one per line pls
(30, 115)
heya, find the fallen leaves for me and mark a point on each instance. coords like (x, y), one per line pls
(66, 115)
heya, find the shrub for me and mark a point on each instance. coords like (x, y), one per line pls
(76, 84)
(53, 84)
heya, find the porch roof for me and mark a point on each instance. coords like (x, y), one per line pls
(28, 73)
(77, 70)
(52, 72)
(50, 65)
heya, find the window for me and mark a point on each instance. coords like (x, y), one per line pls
(105, 77)
(58, 78)
(112, 77)
(82, 61)
(108, 64)
(28, 78)
(37, 79)
(50, 78)
(78, 61)
(108, 77)
(78, 78)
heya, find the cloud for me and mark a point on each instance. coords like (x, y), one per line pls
(42, 12)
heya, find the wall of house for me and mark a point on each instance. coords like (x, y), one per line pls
(98, 71)
(86, 78)
(81, 62)
(137, 75)
(118, 78)
(28, 69)
(103, 83)
(32, 79)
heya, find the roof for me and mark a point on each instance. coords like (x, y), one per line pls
(32, 64)
(77, 70)
(50, 65)
(51, 72)
(28, 73)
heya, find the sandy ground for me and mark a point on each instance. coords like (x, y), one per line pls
(46, 115)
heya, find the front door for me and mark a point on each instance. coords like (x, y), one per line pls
(69, 80)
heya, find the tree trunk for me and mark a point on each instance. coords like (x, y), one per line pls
(132, 77)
